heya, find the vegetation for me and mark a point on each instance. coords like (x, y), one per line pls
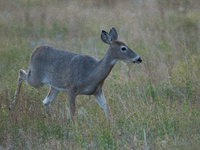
(155, 104)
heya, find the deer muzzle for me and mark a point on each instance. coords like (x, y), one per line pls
(137, 60)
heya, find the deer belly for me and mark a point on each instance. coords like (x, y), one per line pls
(88, 91)
(59, 89)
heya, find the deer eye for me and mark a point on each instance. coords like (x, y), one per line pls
(123, 48)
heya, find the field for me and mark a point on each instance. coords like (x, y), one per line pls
(155, 104)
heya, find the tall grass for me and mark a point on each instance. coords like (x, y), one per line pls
(155, 104)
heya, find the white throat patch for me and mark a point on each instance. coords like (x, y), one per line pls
(114, 62)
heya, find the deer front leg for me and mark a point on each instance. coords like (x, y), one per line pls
(99, 96)
(72, 98)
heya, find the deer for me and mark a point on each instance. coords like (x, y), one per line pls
(77, 74)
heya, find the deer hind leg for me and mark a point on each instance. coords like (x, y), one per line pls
(29, 78)
(99, 96)
(49, 99)
(21, 78)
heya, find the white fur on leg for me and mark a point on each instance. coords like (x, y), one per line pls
(102, 102)
(46, 101)
(50, 97)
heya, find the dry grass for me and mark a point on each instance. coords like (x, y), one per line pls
(155, 104)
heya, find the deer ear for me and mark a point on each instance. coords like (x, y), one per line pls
(105, 37)
(113, 34)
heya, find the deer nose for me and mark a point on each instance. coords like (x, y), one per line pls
(139, 59)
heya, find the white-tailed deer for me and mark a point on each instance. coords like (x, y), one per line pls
(75, 73)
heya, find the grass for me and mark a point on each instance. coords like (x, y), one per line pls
(155, 104)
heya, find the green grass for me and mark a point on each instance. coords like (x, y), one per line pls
(155, 104)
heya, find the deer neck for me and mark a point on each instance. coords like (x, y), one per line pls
(103, 68)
